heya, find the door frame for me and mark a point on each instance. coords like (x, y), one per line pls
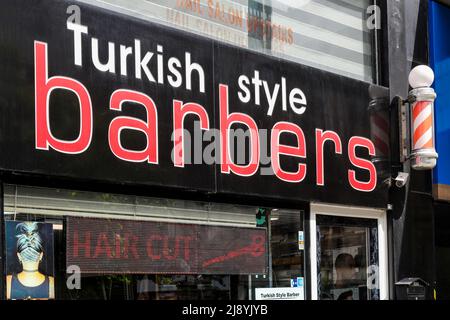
(350, 212)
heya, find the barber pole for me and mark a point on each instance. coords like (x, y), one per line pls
(423, 156)
(423, 125)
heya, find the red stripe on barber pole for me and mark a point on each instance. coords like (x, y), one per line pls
(423, 125)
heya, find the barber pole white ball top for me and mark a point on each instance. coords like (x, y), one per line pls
(421, 77)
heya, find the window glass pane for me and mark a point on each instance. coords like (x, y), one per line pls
(154, 248)
(326, 34)
(287, 247)
(286, 279)
(62, 202)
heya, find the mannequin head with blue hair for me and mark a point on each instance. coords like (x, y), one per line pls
(30, 283)
(30, 248)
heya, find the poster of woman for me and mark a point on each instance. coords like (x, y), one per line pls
(29, 260)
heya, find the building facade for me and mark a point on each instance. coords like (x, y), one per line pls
(212, 150)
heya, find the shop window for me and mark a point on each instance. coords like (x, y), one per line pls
(84, 245)
(286, 277)
(332, 35)
(287, 247)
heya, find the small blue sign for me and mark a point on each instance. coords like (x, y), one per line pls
(297, 282)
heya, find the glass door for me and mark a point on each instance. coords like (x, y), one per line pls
(347, 258)
(348, 253)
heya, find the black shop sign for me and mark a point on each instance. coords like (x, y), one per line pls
(94, 95)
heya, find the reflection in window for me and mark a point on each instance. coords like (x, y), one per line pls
(287, 252)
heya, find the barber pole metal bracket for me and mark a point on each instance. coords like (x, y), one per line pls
(403, 126)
